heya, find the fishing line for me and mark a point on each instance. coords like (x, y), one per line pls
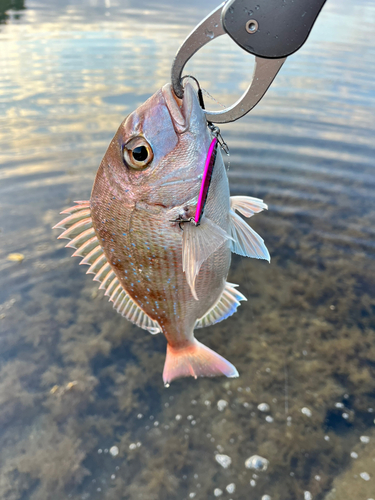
(286, 389)
(213, 98)
(215, 131)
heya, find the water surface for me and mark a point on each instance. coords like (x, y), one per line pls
(76, 379)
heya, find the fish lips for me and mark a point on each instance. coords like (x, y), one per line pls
(180, 109)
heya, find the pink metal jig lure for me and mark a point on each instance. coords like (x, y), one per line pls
(206, 180)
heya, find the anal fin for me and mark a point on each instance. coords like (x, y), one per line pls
(225, 306)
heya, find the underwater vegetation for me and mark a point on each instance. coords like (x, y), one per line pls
(77, 380)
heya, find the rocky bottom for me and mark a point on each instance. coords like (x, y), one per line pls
(84, 413)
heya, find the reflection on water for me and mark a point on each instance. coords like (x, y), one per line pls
(77, 379)
(11, 5)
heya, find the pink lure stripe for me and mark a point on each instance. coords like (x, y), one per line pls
(207, 174)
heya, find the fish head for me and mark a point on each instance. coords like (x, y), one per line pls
(158, 154)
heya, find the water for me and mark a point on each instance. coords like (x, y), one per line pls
(76, 379)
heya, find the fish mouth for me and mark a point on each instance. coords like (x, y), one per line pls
(179, 109)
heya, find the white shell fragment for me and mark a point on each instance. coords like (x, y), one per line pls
(263, 407)
(218, 492)
(365, 476)
(257, 463)
(266, 497)
(364, 439)
(222, 404)
(306, 411)
(114, 451)
(223, 460)
(231, 488)
(307, 495)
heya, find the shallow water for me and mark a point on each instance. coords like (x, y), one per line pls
(76, 379)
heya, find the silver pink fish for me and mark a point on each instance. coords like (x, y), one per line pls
(162, 275)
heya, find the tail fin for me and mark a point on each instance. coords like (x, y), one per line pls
(195, 360)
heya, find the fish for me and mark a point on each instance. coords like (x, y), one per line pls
(160, 273)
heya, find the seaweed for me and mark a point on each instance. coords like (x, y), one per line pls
(82, 380)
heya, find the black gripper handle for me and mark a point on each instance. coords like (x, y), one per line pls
(270, 28)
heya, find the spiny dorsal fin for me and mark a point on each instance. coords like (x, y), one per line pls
(78, 228)
(126, 306)
(246, 241)
(198, 243)
(225, 306)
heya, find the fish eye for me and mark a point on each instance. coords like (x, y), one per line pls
(138, 153)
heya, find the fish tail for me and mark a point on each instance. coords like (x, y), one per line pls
(195, 360)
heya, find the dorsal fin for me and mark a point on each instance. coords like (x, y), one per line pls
(78, 228)
(225, 306)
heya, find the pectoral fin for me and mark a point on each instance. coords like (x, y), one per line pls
(198, 243)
